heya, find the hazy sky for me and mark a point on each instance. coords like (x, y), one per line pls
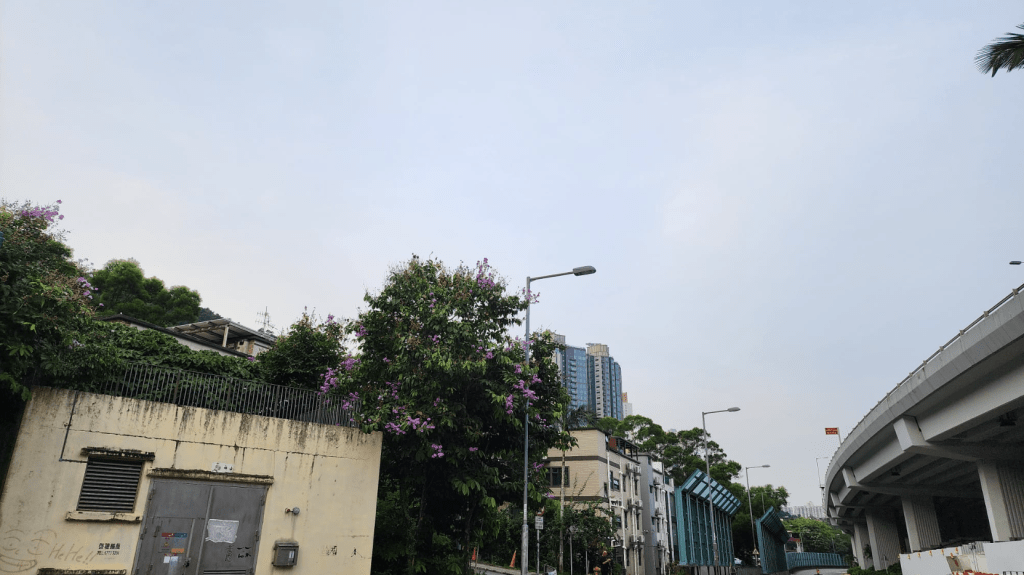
(789, 205)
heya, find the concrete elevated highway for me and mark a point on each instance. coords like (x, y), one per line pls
(939, 461)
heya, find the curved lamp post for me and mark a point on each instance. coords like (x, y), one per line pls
(753, 532)
(707, 477)
(525, 547)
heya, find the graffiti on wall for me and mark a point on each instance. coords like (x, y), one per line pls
(21, 551)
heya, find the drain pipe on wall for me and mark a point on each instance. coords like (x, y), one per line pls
(67, 431)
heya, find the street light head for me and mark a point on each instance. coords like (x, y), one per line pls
(733, 409)
(766, 466)
(1015, 263)
(586, 271)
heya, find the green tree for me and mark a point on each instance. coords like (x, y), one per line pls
(206, 314)
(818, 536)
(44, 305)
(1006, 53)
(45, 300)
(762, 498)
(301, 357)
(437, 372)
(123, 288)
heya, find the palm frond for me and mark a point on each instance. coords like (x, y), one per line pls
(1006, 53)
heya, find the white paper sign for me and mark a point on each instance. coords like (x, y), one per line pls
(221, 530)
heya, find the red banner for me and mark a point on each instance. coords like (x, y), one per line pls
(831, 431)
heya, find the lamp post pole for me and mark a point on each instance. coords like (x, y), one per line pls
(821, 483)
(707, 478)
(753, 532)
(525, 546)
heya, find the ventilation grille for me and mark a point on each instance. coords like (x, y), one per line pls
(110, 485)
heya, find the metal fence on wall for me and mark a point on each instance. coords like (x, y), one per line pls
(794, 560)
(195, 389)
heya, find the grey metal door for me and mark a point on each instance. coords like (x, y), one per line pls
(193, 528)
(232, 530)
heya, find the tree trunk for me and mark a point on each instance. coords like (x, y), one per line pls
(467, 531)
(418, 530)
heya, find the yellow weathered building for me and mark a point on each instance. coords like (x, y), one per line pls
(100, 484)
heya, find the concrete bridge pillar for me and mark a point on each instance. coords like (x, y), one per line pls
(922, 523)
(884, 535)
(860, 539)
(1003, 488)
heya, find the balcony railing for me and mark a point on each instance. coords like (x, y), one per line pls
(195, 389)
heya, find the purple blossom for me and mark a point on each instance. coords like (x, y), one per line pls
(437, 451)
(519, 368)
(474, 449)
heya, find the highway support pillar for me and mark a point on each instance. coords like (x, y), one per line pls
(884, 535)
(922, 523)
(1003, 488)
(860, 540)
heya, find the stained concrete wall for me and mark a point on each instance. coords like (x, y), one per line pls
(329, 472)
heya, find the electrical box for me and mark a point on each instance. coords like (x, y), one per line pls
(285, 554)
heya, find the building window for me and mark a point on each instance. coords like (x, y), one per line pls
(558, 476)
(614, 482)
(110, 485)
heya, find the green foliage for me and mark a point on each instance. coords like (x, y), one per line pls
(681, 452)
(818, 536)
(44, 296)
(104, 349)
(438, 373)
(302, 356)
(762, 498)
(207, 314)
(1006, 53)
(123, 288)
(894, 569)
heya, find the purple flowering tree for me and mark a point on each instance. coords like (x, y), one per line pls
(45, 298)
(437, 372)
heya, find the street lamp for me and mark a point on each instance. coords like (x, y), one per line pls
(820, 483)
(707, 477)
(753, 533)
(525, 547)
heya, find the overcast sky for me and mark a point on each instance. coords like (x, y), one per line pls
(789, 205)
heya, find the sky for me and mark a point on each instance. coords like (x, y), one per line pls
(789, 205)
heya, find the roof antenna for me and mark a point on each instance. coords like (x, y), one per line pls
(263, 320)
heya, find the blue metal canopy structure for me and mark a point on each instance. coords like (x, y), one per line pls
(771, 540)
(701, 503)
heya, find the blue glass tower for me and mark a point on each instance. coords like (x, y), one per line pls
(592, 377)
(572, 362)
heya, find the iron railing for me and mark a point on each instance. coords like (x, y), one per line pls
(194, 389)
(794, 560)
